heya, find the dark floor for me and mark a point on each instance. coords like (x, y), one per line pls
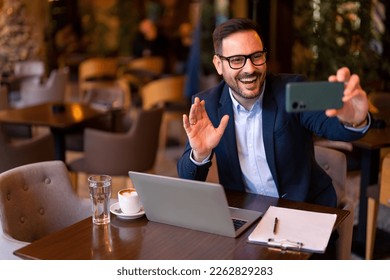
(381, 249)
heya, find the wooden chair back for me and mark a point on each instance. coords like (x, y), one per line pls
(162, 91)
(97, 72)
(384, 193)
(377, 194)
(98, 68)
(167, 92)
(153, 64)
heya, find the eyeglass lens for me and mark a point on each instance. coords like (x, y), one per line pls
(238, 61)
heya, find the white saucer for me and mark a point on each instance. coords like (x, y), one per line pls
(116, 210)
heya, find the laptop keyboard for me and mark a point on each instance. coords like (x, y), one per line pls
(238, 223)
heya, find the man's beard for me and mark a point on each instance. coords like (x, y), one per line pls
(241, 80)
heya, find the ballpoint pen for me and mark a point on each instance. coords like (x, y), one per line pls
(276, 224)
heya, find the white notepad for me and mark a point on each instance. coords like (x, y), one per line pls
(295, 229)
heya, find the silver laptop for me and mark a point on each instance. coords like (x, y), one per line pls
(190, 204)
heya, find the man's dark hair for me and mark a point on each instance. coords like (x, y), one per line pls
(232, 26)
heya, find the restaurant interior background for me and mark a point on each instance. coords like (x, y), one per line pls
(313, 37)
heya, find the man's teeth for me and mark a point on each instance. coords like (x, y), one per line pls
(248, 81)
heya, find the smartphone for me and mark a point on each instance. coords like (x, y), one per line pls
(313, 96)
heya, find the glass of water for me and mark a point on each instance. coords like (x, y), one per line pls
(100, 193)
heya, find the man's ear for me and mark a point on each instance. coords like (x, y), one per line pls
(217, 64)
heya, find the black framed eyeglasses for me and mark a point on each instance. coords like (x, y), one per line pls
(238, 61)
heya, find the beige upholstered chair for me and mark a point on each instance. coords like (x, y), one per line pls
(14, 153)
(353, 168)
(29, 71)
(169, 93)
(116, 154)
(52, 90)
(338, 145)
(334, 163)
(378, 194)
(38, 199)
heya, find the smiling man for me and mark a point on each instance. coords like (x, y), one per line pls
(259, 147)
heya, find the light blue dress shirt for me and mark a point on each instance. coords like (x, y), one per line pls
(250, 146)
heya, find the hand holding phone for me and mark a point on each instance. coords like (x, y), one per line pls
(314, 96)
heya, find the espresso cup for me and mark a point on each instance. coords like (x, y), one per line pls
(129, 201)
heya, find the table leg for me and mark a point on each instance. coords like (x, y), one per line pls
(59, 143)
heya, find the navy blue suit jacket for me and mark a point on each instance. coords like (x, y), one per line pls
(288, 142)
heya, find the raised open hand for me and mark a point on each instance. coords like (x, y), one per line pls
(202, 135)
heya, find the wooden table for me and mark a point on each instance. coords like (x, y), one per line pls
(61, 118)
(370, 146)
(144, 240)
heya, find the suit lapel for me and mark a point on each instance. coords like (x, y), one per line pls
(228, 141)
(269, 112)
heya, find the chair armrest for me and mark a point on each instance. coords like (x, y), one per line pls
(8, 245)
(100, 138)
(32, 87)
(42, 144)
(28, 151)
(338, 145)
